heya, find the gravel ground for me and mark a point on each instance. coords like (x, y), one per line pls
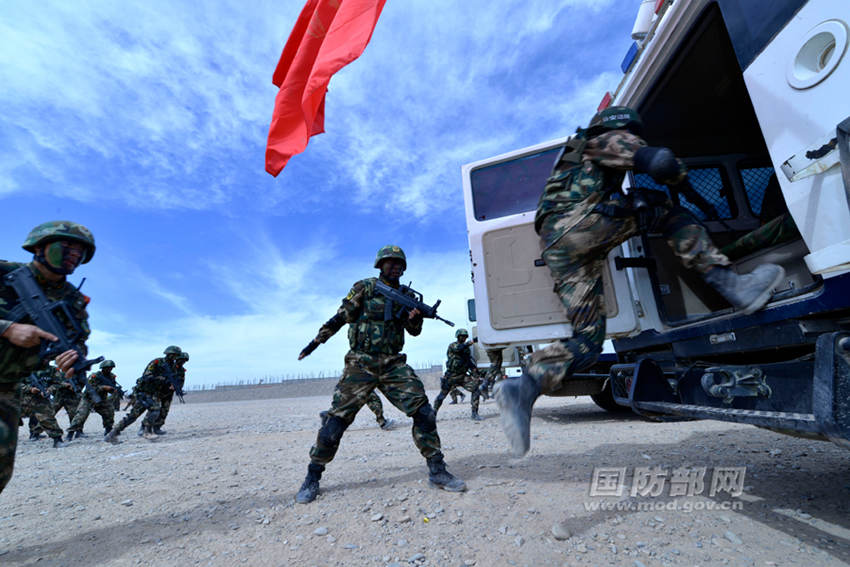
(219, 488)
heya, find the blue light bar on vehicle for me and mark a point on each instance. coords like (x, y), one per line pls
(631, 55)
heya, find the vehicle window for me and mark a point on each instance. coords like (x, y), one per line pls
(708, 182)
(756, 180)
(511, 187)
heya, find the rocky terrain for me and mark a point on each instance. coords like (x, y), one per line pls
(218, 490)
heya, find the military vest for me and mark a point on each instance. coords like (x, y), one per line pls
(370, 332)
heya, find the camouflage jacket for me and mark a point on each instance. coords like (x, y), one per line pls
(99, 379)
(150, 384)
(576, 186)
(459, 358)
(57, 383)
(16, 362)
(363, 310)
(161, 367)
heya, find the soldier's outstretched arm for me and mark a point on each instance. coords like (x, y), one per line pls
(347, 312)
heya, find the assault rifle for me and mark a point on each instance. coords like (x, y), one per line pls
(52, 316)
(175, 383)
(91, 391)
(34, 381)
(406, 302)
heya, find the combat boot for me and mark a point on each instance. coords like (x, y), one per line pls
(158, 431)
(148, 432)
(310, 487)
(749, 292)
(141, 431)
(323, 415)
(462, 396)
(35, 436)
(69, 435)
(57, 443)
(439, 477)
(387, 424)
(475, 416)
(516, 397)
(112, 436)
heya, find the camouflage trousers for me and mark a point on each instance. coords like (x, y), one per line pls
(494, 372)
(777, 231)
(64, 399)
(390, 374)
(142, 403)
(41, 414)
(163, 412)
(449, 382)
(10, 414)
(455, 393)
(576, 258)
(104, 408)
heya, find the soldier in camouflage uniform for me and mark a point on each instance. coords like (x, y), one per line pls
(63, 390)
(58, 248)
(95, 397)
(461, 370)
(375, 361)
(374, 404)
(146, 398)
(167, 368)
(37, 406)
(582, 215)
(494, 372)
(168, 393)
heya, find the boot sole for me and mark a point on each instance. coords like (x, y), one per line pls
(516, 428)
(765, 296)
(447, 488)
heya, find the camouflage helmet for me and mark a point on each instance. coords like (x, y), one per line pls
(60, 230)
(183, 356)
(461, 333)
(390, 251)
(615, 118)
(107, 364)
(173, 349)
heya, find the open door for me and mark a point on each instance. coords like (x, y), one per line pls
(514, 297)
(799, 84)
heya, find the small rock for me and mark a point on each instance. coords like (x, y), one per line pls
(405, 519)
(377, 517)
(733, 538)
(126, 502)
(560, 531)
(331, 539)
(519, 540)
(639, 564)
(581, 548)
(320, 531)
(350, 546)
(401, 542)
(416, 557)
(469, 562)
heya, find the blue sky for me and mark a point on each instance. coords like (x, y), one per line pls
(147, 122)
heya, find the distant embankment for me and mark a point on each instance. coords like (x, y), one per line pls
(291, 388)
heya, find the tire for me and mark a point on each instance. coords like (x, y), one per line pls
(605, 400)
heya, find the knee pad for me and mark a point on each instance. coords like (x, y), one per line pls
(660, 163)
(425, 418)
(331, 432)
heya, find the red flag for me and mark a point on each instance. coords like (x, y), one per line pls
(328, 35)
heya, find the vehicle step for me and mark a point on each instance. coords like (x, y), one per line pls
(801, 421)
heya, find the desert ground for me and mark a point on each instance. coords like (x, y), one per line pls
(218, 490)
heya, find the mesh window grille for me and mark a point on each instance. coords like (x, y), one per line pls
(755, 183)
(706, 181)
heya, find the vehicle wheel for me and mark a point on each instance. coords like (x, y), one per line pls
(605, 400)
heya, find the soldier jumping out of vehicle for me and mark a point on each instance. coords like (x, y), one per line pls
(99, 387)
(582, 215)
(376, 337)
(461, 370)
(58, 248)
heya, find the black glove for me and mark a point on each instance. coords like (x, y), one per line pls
(313, 345)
